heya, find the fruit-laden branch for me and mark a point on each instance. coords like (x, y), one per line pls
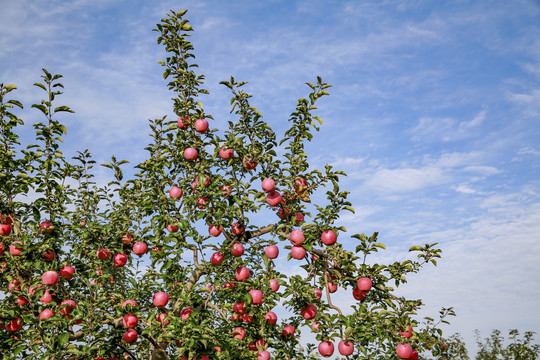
(158, 353)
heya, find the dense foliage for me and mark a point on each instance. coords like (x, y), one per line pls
(171, 263)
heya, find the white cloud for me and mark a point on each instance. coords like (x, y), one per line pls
(406, 179)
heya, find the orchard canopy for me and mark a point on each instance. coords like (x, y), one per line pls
(192, 256)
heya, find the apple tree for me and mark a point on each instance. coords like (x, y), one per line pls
(183, 258)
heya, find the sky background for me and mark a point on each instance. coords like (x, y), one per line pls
(434, 114)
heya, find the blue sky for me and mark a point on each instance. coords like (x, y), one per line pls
(434, 114)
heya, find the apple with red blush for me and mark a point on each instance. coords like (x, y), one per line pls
(201, 125)
(160, 299)
(326, 348)
(272, 251)
(139, 248)
(226, 153)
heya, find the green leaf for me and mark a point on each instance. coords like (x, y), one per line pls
(350, 208)
(18, 349)
(415, 248)
(63, 339)
(63, 108)
(380, 245)
(42, 108)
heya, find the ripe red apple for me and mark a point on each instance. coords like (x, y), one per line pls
(315, 326)
(282, 213)
(45, 227)
(16, 248)
(273, 198)
(272, 251)
(271, 317)
(247, 318)
(225, 153)
(288, 330)
(239, 307)
(228, 285)
(67, 306)
(195, 182)
(406, 334)
(103, 253)
(191, 153)
(298, 218)
(172, 228)
(5, 229)
(201, 202)
(256, 296)
(126, 239)
(318, 293)
(298, 252)
(359, 294)
(214, 230)
(309, 311)
(274, 285)
(249, 163)
(21, 300)
(237, 249)
(183, 123)
(364, 284)
(130, 336)
(332, 287)
(46, 298)
(45, 314)
(414, 355)
(2, 249)
(345, 348)
(239, 333)
(14, 325)
(48, 255)
(242, 273)
(297, 237)
(236, 228)
(184, 314)
(404, 351)
(201, 125)
(328, 237)
(161, 318)
(263, 355)
(6, 219)
(50, 278)
(216, 258)
(326, 348)
(120, 259)
(268, 185)
(300, 181)
(131, 303)
(160, 299)
(175, 192)
(140, 248)
(226, 190)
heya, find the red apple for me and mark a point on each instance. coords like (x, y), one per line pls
(256, 296)
(274, 284)
(45, 227)
(249, 163)
(50, 278)
(315, 326)
(273, 198)
(247, 318)
(326, 348)
(288, 330)
(172, 228)
(345, 348)
(225, 153)
(131, 303)
(318, 293)
(282, 213)
(359, 294)
(6, 219)
(183, 123)
(216, 258)
(46, 298)
(16, 248)
(364, 284)
(14, 286)
(103, 253)
(14, 325)
(161, 318)
(242, 273)
(214, 230)
(239, 307)
(120, 259)
(271, 317)
(5, 229)
(239, 333)
(406, 334)
(298, 218)
(130, 336)
(414, 355)
(328, 237)
(228, 285)
(309, 311)
(263, 355)
(175, 192)
(140, 248)
(404, 351)
(48, 255)
(268, 185)
(191, 153)
(184, 314)
(237, 249)
(236, 228)
(297, 237)
(298, 252)
(160, 299)
(272, 251)
(126, 239)
(201, 125)
(45, 314)
(201, 202)
(195, 182)
(2, 249)
(298, 182)
(225, 190)
(21, 300)
(67, 306)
